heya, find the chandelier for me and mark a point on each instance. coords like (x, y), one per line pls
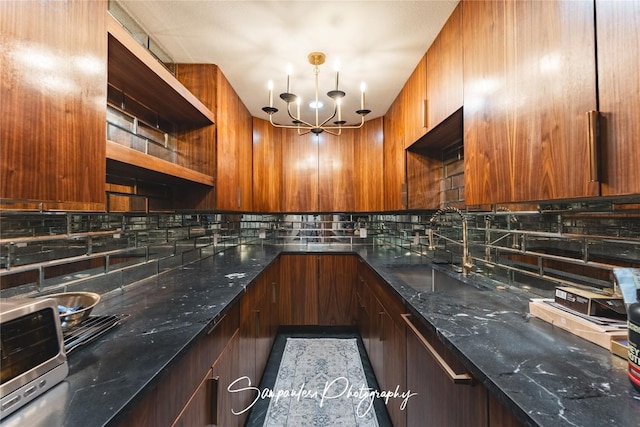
(316, 59)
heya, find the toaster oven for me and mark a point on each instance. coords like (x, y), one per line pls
(32, 353)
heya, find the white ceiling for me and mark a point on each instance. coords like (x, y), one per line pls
(377, 42)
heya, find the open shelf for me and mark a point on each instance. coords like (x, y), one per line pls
(120, 157)
(134, 70)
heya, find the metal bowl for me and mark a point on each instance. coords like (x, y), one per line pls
(86, 300)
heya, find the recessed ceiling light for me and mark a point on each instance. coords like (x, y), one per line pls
(316, 105)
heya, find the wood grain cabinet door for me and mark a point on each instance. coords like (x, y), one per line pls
(444, 71)
(618, 32)
(529, 81)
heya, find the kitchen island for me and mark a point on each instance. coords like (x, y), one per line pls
(544, 375)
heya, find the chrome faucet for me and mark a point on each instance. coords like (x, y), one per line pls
(467, 262)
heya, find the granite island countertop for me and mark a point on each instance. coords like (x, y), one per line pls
(546, 375)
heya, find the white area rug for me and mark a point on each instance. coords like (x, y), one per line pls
(321, 382)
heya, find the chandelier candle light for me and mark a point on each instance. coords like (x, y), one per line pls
(316, 59)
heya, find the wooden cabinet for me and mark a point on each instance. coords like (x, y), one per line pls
(298, 290)
(368, 167)
(311, 173)
(337, 303)
(160, 137)
(49, 158)
(267, 167)
(618, 41)
(317, 290)
(299, 172)
(186, 390)
(382, 328)
(234, 178)
(336, 190)
(444, 71)
(414, 101)
(258, 325)
(395, 196)
(445, 395)
(526, 95)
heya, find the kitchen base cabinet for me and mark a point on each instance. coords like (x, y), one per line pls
(212, 404)
(298, 290)
(382, 328)
(174, 391)
(336, 296)
(317, 290)
(442, 398)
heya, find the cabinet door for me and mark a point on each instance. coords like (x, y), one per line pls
(198, 412)
(298, 290)
(414, 95)
(487, 123)
(444, 71)
(336, 295)
(394, 158)
(618, 24)
(394, 361)
(224, 372)
(529, 80)
(299, 172)
(234, 180)
(368, 167)
(439, 401)
(52, 137)
(267, 167)
(335, 171)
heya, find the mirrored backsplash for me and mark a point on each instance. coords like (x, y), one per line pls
(533, 247)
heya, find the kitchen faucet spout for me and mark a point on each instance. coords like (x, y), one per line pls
(467, 262)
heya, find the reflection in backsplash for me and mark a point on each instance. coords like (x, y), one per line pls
(532, 247)
(571, 244)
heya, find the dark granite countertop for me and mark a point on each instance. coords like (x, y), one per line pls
(545, 375)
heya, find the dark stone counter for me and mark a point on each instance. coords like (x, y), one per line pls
(545, 375)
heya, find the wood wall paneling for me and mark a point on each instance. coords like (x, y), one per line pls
(46, 153)
(424, 176)
(618, 32)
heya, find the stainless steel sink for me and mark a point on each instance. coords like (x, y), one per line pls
(424, 278)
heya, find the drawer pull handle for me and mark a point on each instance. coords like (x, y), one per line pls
(456, 378)
(593, 144)
(211, 329)
(213, 402)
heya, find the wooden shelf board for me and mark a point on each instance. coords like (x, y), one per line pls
(152, 167)
(158, 89)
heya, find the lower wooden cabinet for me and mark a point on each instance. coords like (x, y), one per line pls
(383, 333)
(445, 395)
(317, 290)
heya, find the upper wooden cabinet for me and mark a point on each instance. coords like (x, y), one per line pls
(394, 166)
(414, 99)
(618, 24)
(444, 71)
(529, 80)
(234, 155)
(267, 167)
(53, 93)
(368, 167)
